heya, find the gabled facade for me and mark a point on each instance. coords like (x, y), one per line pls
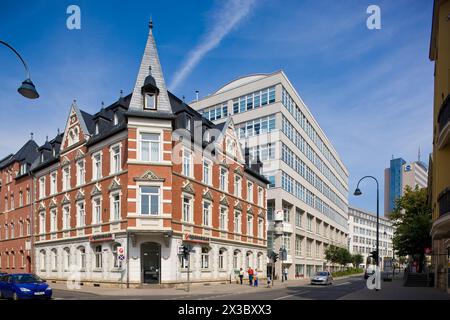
(146, 174)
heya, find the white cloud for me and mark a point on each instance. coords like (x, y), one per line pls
(226, 16)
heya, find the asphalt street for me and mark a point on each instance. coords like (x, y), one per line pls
(335, 291)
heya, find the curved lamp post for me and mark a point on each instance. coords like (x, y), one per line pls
(358, 193)
(27, 89)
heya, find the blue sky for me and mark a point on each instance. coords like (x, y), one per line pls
(370, 90)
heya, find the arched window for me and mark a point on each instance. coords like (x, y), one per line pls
(205, 257)
(222, 259)
(237, 259)
(98, 257)
(42, 260)
(13, 258)
(81, 257)
(249, 259)
(66, 259)
(54, 259)
(259, 261)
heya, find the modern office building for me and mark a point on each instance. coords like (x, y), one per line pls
(399, 175)
(362, 234)
(309, 181)
(439, 178)
(121, 190)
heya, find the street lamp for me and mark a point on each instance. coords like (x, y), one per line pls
(358, 193)
(27, 89)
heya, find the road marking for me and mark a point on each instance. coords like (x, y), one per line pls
(342, 284)
(291, 295)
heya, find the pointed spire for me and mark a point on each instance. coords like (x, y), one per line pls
(418, 155)
(103, 105)
(150, 64)
(58, 131)
(121, 93)
(31, 136)
(150, 24)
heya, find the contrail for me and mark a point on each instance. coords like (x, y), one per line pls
(227, 16)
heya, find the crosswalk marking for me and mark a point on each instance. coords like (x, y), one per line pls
(291, 295)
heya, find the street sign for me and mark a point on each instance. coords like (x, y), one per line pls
(120, 251)
(121, 258)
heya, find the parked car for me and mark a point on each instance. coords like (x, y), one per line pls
(24, 286)
(322, 277)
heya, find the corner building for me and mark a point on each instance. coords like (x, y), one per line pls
(308, 191)
(133, 176)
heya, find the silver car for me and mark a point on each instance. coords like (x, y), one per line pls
(322, 277)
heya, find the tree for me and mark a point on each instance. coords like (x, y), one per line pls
(338, 255)
(412, 222)
(357, 259)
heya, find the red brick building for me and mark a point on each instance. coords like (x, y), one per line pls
(146, 174)
(16, 188)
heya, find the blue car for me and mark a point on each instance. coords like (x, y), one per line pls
(24, 286)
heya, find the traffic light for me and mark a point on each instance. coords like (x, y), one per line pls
(185, 251)
(374, 255)
(275, 257)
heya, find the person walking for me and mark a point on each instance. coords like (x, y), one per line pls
(255, 278)
(285, 273)
(250, 276)
(269, 280)
(241, 275)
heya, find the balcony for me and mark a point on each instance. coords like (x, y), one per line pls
(444, 124)
(441, 226)
(444, 202)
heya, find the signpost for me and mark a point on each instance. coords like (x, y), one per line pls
(120, 253)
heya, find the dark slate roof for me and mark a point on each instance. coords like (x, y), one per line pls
(26, 155)
(89, 121)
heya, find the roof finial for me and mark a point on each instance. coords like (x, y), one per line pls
(150, 24)
(121, 93)
(103, 105)
(46, 138)
(418, 155)
(31, 135)
(58, 132)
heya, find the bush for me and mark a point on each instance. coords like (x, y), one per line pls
(347, 272)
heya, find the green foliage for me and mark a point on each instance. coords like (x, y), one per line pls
(347, 272)
(357, 259)
(412, 220)
(338, 255)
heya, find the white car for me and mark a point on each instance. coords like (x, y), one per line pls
(322, 277)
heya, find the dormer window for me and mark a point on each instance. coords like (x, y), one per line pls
(42, 157)
(115, 118)
(150, 101)
(97, 128)
(188, 123)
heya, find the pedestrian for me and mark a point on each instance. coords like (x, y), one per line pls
(250, 276)
(268, 281)
(255, 278)
(285, 273)
(241, 275)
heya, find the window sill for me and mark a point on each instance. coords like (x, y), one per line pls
(205, 270)
(97, 270)
(117, 270)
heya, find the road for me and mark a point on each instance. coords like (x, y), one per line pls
(339, 289)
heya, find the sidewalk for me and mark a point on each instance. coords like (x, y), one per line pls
(396, 291)
(212, 289)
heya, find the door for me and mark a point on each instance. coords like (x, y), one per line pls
(151, 262)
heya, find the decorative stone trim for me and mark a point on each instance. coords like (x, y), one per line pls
(149, 176)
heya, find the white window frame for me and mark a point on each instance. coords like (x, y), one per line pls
(191, 208)
(160, 200)
(112, 206)
(250, 225)
(97, 172)
(97, 210)
(42, 187)
(66, 217)
(159, 142)
(81, 172)
(42, 218)
(65, 178)
(188, 165)
(113, 168)
(207, 179)
(81, 214)
(54, 182)
(223, 182)
(238, 186)
(237, 219)
(53, 220)
(249, 191)
(225, 215)
(208, 214)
